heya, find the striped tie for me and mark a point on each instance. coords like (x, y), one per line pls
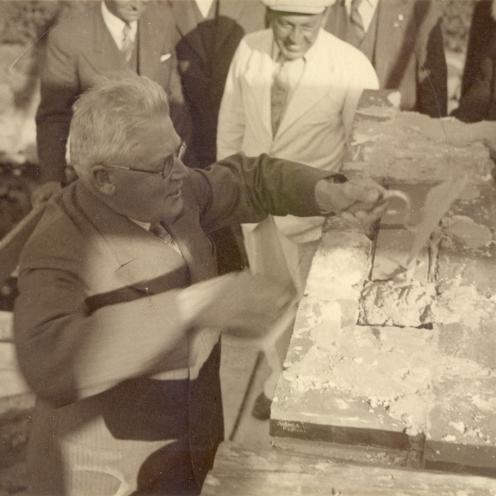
(161, 232)
(279, 95)
(127, 44)
(356, 19)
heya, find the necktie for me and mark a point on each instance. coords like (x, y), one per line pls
(356, 19)
(279, 94)
(161, 232)
(127, 44)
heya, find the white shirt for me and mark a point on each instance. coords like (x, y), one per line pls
(204, 6)
(116, 25)
(366, 9)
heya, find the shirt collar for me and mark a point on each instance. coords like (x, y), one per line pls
(116, 25)
(144, 225)
(372, 4)
(204, 6)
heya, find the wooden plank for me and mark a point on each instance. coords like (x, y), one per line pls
(274, 472)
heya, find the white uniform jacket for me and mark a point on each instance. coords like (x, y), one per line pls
(318, 116)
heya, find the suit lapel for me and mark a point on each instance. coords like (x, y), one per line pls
(141, 257)
(390, 32)
(259, 81)
(149, 40)
(313, 86)
(195, 249)
(186, 23)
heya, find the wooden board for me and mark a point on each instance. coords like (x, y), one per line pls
(273, 472)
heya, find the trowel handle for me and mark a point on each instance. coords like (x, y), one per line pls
(400, 195)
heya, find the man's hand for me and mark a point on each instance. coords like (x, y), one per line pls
(358, 199)
(44, 192)
(236, 301)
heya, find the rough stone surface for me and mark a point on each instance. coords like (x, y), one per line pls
(388, 379)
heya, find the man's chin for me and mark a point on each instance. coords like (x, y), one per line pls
(174, 212)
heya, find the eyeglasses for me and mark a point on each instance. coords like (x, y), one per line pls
(167, 164)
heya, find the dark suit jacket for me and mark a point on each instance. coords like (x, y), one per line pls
(479, 100)
(79, 51)
(482, 27)
(409, 52)
(204, 69)
(94, 323)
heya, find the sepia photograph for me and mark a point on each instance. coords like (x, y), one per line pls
(247, 247)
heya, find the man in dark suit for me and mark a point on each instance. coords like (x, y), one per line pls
(209, 32)
(478, 102)
(107, 37)
(115, 323)
(404, 42)
(482, 29)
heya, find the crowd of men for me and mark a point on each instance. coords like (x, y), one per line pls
(163, 127)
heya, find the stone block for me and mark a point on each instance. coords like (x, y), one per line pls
(340, 266)
(462, 424)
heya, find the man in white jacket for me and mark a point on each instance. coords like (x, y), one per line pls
(291, 92)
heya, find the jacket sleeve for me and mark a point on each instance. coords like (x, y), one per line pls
(432, 72)
(59, 89)
(67, 353)
(361, 76)
(231, 122)
(242, 189)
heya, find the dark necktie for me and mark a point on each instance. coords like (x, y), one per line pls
(356, 19)
(127, 44)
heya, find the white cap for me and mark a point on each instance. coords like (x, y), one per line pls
(299, 6)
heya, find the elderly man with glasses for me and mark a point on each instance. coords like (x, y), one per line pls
(118, 319)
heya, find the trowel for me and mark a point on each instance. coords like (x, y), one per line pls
(437, 203)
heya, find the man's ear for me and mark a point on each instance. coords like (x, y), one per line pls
(102, 180)
(325, 16)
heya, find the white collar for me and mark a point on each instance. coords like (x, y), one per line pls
(144, 225)
(204, 6)
(116, 25)
(372, 4)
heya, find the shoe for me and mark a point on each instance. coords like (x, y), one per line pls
(261, 408)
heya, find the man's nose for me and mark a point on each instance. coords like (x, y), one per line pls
(296, 35)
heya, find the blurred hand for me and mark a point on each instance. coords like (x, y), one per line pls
(360, 199)
(44, 192)
(237, 301)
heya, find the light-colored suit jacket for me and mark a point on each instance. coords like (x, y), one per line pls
(127, 394)
(317, 119)
(79, 51)
(408, 54)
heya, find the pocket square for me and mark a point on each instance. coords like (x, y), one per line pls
(165, 56)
